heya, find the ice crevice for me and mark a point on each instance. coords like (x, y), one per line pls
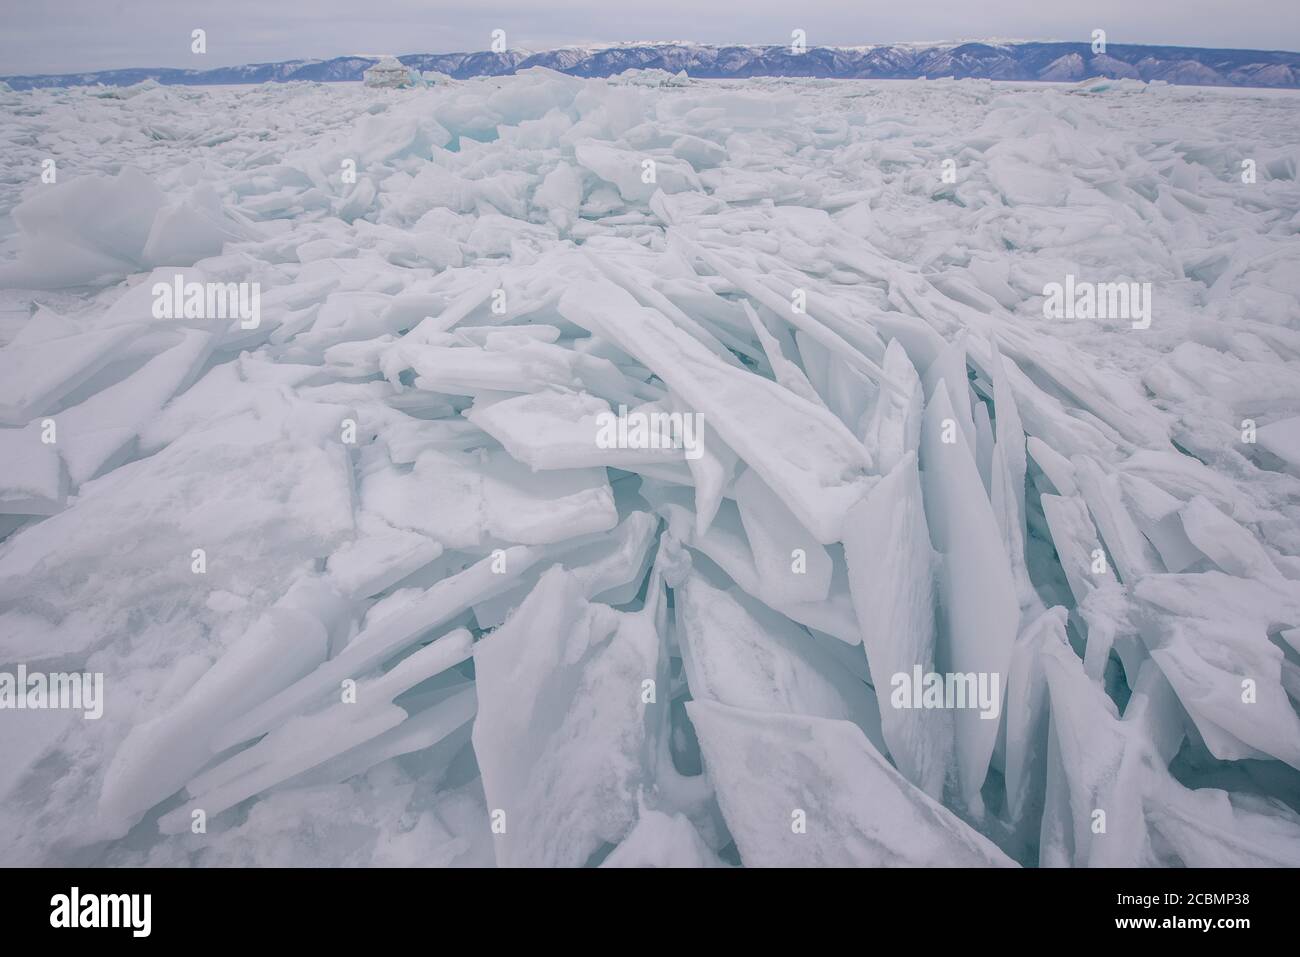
(584, 473)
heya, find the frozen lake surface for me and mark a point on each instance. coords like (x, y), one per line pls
(548, 471)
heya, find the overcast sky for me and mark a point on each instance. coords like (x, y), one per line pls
(61, 36)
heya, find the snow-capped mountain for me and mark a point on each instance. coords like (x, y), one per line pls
(998, 60)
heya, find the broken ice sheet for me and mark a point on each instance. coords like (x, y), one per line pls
(564, 739)
(568, 651)
(803, 791)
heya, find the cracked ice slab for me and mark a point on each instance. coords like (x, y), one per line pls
(857, 811)
(803, 452)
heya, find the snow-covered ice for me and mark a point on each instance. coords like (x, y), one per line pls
(649, 471)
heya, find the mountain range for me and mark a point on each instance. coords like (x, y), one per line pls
(996, 60)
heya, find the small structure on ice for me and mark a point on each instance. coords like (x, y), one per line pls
(651, 77)
(388, 72)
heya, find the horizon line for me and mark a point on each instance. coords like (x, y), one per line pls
(625, 44)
